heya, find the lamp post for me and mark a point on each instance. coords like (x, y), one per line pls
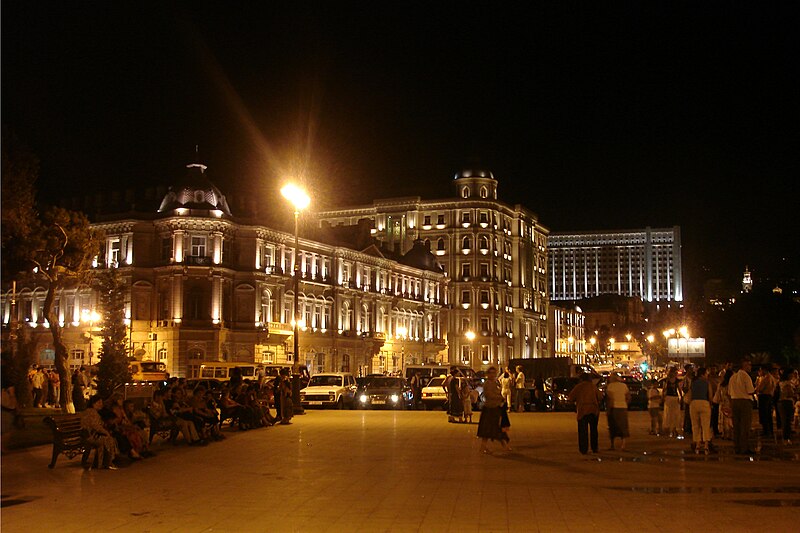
(401, 332)
(300, 200)
(470, 335)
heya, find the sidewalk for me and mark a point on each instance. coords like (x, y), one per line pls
(409, 471)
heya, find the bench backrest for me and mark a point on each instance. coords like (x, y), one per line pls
(64, 424)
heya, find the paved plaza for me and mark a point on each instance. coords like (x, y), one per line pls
(409, 471)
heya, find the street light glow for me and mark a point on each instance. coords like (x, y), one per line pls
(684, 331)
(651, 338)
(296, 196)
(402, 331)
(470, 335)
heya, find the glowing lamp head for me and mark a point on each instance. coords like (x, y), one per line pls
(402, 331)
(470, 335)
(651, 338)
(296, 196)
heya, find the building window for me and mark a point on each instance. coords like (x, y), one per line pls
(483, 242)
(485, 354)
(198, 248)
(346, 363)
(440, 220)
(426, 220)
(466, 271)
(484, 325)
(484, 217)
(114, 251)
(484, 270)
(466, 243)
(166, 248)
(76, 355)
(465, 192)
(267, 357)
(440, 245)
(162, 354)
(485, 298)
(464, 324)
(465, 297)
(484, 192)
(465, 217)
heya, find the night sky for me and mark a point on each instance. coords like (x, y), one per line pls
(594, 119)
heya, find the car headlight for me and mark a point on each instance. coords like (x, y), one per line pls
(302, 396)
(363, 398)
(394, 398)
(332, 396)
(563, 397)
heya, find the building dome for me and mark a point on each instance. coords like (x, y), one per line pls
(420, 256)
(474, 173)
(194, 191)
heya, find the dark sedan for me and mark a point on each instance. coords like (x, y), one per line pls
(556, 391)
(384, 392)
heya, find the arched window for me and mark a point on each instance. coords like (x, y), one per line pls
(484, 192)
(440, 245)
(465, 192)
(466, 243)
(483, 242)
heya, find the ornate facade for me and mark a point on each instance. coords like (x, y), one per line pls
(204, 287)
(494, 254)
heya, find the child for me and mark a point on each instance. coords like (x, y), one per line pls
(654, 406)
(466, 398)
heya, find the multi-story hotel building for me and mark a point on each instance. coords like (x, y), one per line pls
(494, 253)
(202, 286)
(643, 263)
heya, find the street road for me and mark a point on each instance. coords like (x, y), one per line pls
(409, 471)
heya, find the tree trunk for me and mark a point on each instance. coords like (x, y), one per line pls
(60, 349)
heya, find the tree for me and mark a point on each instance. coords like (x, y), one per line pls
(113, 367)
(20, 170)
(61, 247)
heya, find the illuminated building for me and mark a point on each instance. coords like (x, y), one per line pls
(494, 254)
(203, 286)
(566, 324)
(642, 263)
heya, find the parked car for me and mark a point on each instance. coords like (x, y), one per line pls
(384, 392)
(556, 393)
(337, 389)
(433, 394)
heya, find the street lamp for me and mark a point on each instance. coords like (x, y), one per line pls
(300, 200)
(401, 332)
(470, 335)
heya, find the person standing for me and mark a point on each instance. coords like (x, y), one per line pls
(765, 389)
(700, 411)
(587, 398)
(672, 404)
(723, 400)
(519, 390)
(741, 391)
(506, 386)
(785, 405)
(491, 414)
(38, 383)
(416, 389)
(654, 407)
(455, 406)
(686, 387)
(714, 378)
(466, 399)
(78, 398)
(618, 396)
(55, 383)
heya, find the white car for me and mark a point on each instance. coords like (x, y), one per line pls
(433, 394)
(336, 389)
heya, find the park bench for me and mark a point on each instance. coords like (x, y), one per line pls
(166, 428)
(68, 438)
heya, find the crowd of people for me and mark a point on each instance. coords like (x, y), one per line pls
(119, 430)
(705, 403)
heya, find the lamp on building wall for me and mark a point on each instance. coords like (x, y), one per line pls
(470, 335)
(299, 200)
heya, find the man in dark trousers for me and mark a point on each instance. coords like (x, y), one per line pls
(741, 391)
(587, 403)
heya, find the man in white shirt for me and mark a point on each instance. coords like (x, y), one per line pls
(519, 390)
(37, 382)
(741, 391)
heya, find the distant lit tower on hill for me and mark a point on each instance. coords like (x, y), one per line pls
(747, 281)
